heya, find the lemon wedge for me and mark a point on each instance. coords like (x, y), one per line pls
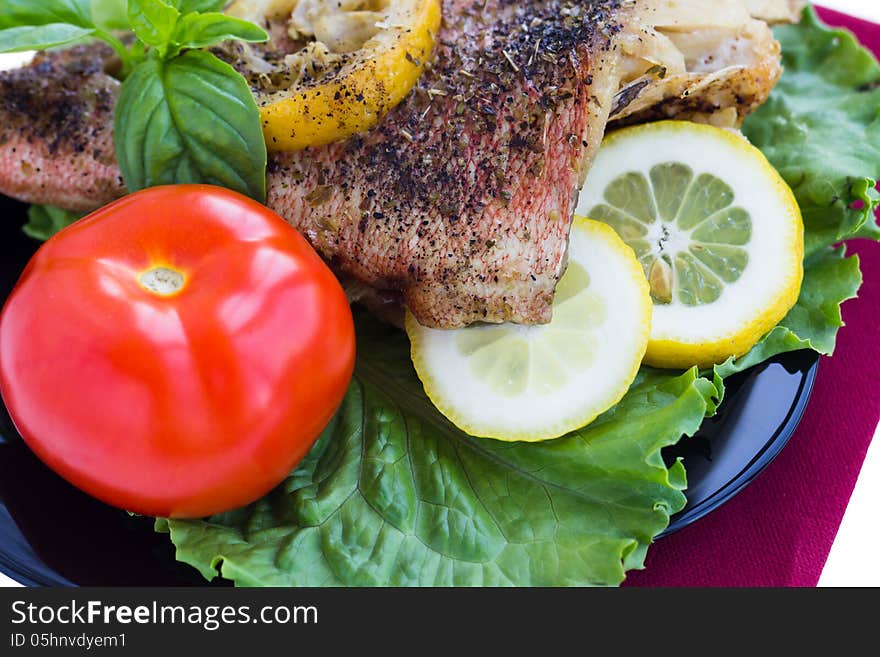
(352, 61)
(533, 383)
(717, 231)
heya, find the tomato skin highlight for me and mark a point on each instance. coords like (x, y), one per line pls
(188, 403)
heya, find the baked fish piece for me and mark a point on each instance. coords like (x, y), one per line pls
(713, 61)
(459, 202)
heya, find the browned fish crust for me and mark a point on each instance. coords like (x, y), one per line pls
(462, 197)
(56, 137)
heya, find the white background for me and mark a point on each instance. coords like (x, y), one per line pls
(860, 532)
(863, 8)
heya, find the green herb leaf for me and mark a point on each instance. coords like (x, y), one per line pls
(46, 220)
(821, 130)
(202, 30)
(192, 119)
(40, 37)
(32, 13)
(393, 494)
(187, 6)
(110, 14)
(154, 22)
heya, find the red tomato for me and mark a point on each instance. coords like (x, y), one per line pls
(176, 353)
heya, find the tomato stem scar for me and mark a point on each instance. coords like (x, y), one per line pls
(162, 281)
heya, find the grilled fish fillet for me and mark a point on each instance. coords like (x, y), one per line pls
(460, 201)
(462, 197)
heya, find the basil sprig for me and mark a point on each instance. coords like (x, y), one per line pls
(183, 116)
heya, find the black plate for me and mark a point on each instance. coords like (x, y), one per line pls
(52, 534)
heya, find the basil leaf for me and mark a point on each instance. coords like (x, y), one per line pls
(202, 30)
(154, 22)
(40, 37)
(188, 6)
(29, 13)
(192, 119)
(111, 14)
(46, 220)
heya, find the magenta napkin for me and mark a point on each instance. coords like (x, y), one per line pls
(779, 530)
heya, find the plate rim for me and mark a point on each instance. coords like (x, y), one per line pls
(760, 462)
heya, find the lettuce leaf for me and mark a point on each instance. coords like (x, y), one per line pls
(821, 130)
(393, 494)
(830, 278)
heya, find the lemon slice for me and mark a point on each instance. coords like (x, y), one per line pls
(717, 231)
(334, 69)
(532, 383)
